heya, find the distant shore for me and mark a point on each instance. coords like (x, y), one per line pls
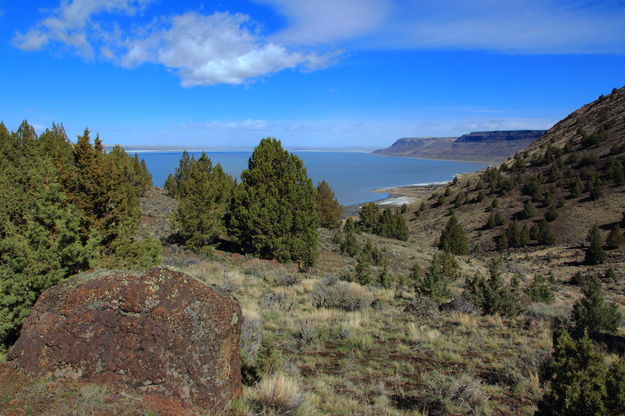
(398, 196)
(479, 162)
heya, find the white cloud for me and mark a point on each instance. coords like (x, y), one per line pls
(323, 21)
(221, 48)
(513, 26)
(69, 24)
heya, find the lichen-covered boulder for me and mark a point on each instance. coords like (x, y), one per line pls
(162, 332)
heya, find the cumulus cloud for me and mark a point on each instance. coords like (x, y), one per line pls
(69, 24)
(221, 48)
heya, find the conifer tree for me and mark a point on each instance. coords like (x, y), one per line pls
(453, 238)
(529, 210)
(40, 241)
(205, 192)
(592, 313)
(576, 377)
(182, 172)
(369, 217)
(594, 252)
(328, 207)
(273, 212)
(615, 239)
(434, 284)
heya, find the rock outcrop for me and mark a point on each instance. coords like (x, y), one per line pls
(484, 146)
(162, 332)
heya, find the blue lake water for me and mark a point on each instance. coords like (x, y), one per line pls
(353, 176)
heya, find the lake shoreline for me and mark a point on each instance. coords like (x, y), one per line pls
(397, 196)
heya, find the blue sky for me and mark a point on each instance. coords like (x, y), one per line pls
(312, 73)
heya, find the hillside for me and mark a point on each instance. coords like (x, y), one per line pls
(485, 147)
(575, 170)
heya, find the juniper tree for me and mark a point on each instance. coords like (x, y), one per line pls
(273, 211)
(592, 312)
(328, 207)
(615, 238)
(369, 217)
(576, 378)
(453, 238)
(594, 253)
(204, 196)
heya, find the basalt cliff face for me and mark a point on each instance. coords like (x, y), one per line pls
(485, 147)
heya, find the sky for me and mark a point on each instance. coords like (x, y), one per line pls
(311, 73)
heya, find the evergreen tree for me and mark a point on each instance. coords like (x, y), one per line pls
(434, 284)
(540, 290)
(615, 385)
(615, 239)
(546, 236)
(592, 313)
(369, 217)
(453, 238)
(328, 207)
(182, 172)
(552, 213)
(273, 211)
(529, 211)
(492, 295)
(576, 376)
(204, 193)
(594, 252)
(40, 241)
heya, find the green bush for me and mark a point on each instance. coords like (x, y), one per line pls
(493, 295)
(540, 290)
(576, 379)
(592, 313)
(434, 284)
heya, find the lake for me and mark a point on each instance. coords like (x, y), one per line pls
(352, 175)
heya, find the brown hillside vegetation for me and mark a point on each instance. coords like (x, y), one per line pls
(575, 168)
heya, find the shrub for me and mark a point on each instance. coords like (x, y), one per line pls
(278, 394)
(493, 295)
(540, 290)
(435, 283)
(342, 295)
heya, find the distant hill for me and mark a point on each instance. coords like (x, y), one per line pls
(484, 146)
(574, 170)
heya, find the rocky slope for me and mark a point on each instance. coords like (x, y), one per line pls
(486, 147)
(575, 169)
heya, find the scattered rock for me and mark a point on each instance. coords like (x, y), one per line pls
(161, 333)
(422, 307)
(459, 306)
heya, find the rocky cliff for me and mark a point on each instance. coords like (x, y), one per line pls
(485, 147)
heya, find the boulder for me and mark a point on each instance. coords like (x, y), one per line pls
(161, 333)
(458, 306)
